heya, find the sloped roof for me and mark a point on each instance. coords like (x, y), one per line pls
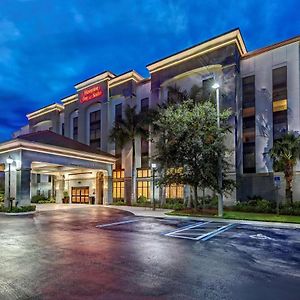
(51, 138)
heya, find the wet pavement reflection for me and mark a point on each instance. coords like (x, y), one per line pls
(63, 255)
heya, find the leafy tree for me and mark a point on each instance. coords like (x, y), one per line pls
(125, 131)
(285, 153)
(189, 144)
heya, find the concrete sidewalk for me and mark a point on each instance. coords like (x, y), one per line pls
(161, 213)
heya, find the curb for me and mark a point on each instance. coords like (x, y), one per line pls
(235, 221)
(27, 213)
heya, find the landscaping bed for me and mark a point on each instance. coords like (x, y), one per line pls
(19, 209)
(237, 215)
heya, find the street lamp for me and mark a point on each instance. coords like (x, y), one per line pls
(153, 168)
(216, 86)
(9, 161)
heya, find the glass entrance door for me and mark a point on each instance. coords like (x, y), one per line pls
(80, 194)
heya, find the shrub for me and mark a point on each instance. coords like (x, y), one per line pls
(17, 209)
(119, 203)
(2, 194)
(142, 199)
(175, 206)
(256, 205)
(174, 200)
(209, 202)
(38, 198)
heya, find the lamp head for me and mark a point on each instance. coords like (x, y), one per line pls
(9, 160)
(215, 86)
(153, 166)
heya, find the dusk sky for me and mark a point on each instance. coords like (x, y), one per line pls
(47, 46)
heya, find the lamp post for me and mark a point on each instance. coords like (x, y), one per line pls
(153, 168)
(9, 161)
(216, 86)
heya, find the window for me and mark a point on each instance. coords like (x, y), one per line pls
(144, 142)
(95, 129)
(49, 194)
(63, 129)
(280, 104)
(75, 128)
(144, 153)
(118, 150)
(118, 185)
(143, 189)
(38, 192)
(49, 178)
(38, 178)
(143, 173)
(118, 190)
(248, 85)
(174, 191)
(249, 157)
(118, 174)
(144, 104)
(118, 113)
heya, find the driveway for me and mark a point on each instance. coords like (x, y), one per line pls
(61, 254)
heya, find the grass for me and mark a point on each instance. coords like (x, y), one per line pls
(237, 215)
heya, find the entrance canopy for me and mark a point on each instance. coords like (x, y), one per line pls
(51, 153)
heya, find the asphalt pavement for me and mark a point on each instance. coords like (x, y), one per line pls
(104, 253)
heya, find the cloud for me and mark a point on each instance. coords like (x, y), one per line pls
(48, 46)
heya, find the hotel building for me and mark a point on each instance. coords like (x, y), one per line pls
(65, 147)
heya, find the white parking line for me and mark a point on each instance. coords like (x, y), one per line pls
(203, 237)
(186, 228)
(117, 223)
(211, 234)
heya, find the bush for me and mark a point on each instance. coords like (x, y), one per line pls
(2, 194)
(142, 200)
(38, 198)
(209, 202)
(119, 203)
(175, 206)
(174, 200)
(17, 209)
(258, 205)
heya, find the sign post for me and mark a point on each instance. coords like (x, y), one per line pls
(277, 187)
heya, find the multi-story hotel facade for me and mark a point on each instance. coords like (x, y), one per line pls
(260, 87)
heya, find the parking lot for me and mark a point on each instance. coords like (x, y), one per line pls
(104, 253)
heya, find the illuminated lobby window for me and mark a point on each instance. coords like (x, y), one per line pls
(174, 191)
(95, 129)
(248, 86)
(118, 190)
(118, 185)
(143, 189)
(143, 173)
(280, 122)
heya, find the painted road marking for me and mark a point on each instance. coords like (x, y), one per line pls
(117, 223)
(211, 234)
(203, 237)
(187, 228)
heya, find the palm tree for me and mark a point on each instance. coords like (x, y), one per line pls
(285, 153)
(125, 131)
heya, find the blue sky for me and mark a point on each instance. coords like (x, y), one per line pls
(46, 46)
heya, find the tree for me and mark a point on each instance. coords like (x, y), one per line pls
(125, 131)
(285, 153)
(189, 144)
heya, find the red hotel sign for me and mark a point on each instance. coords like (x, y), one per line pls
(90, 93)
